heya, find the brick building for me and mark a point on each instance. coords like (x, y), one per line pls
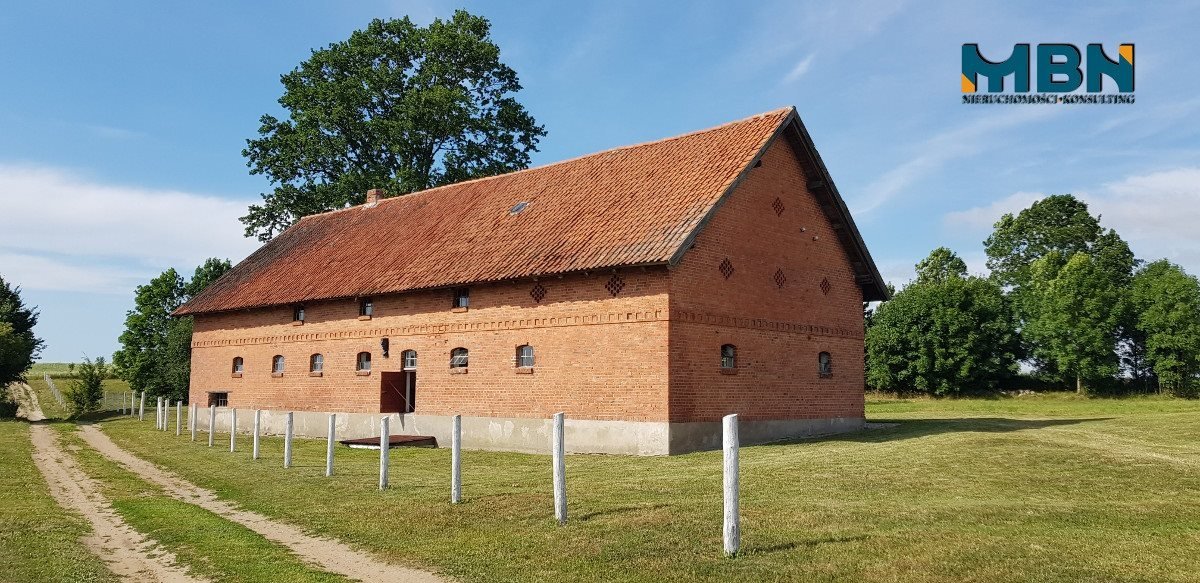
(646, 291)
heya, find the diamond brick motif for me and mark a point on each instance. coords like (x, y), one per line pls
(825, 287)
(537, 293)
(778, 206)
(615, 285)
(779, 278)
(726, 268)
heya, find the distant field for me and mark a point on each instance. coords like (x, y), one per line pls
(54, 369)
(1051, 487)
(113, 389)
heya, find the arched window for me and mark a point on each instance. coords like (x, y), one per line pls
(728, 356)
(316, 363)
(408, 360)
(824, 365)
(458, 358)
(277, 364)
(238, 365)
(363, 362)
(525, 355)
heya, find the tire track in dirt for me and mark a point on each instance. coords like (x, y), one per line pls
(126, 552)
(328, 554)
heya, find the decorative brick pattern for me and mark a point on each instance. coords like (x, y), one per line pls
(779, 278)
(538, 293)
(778, 206)
(615, 285)
(825, 285)
(726, 268)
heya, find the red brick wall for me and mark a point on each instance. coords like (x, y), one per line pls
(596, 357)
(778, 330)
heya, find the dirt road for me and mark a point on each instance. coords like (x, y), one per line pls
(327, 554)
(129, 555)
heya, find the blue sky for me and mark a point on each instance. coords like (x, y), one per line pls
(121, 125)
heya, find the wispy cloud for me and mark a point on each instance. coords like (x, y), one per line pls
(60, 231)
(800, 69)
(935, 152)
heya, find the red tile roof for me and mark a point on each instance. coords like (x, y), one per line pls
(636, 205)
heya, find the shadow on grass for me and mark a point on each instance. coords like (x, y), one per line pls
(913, 428)
(805, 543)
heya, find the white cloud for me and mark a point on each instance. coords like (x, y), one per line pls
(800, 69)
(1157, 213)
(60, 231)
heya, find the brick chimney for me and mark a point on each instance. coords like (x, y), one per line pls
(373, 196)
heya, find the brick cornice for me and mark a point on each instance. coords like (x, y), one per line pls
(764, 324)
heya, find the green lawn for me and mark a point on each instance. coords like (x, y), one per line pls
(38, 540)
(1046, 488)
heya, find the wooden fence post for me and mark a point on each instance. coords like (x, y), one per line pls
(385, 445)
(212, 424)
(560, 469)
(287, 440)
(257, 421)
(232, 430)
(729, 443)
(329, 446)
(178, 418)
(142, 408)
(456, 460)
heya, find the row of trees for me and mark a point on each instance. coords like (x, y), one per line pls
(1065, 296)
(156, 353)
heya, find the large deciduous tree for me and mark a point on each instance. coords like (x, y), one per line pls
(396, 106)
(1166, 304)
(1026, 253)
(155, 354)
(19, 347)
(945, 333)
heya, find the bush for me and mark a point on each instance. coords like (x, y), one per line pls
(8, 407)
(87, 389)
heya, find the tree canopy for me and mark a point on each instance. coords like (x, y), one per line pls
(396, 106)
(945, 333)
(1166, 304)
(19, 347)
(155, 354)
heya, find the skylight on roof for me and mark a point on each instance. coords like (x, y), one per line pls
(520, 206)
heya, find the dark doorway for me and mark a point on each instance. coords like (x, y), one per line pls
(397, 391)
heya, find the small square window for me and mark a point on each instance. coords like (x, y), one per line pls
(298, 314)
(525, 356)
(462, 297)
(218, 399)
(366, 307)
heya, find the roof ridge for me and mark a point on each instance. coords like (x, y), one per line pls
(777, 111)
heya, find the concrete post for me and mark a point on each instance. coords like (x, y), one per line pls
(329, 446)
(560, 469)
(212, 424)
(456, 460)
(232, 430)
(142, 408)
(178, 418)
(729, 443)
(257, 420)
(384, 446)
(192, 419)
(287, 440)
(158, 413)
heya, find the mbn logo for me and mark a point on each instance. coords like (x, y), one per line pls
(1060, 68)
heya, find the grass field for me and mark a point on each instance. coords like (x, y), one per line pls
(1043, 488)
(38, 540)
(113, 388)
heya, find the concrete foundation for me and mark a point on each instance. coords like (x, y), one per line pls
(533, 435)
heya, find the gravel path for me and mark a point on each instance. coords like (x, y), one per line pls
(327, 554)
